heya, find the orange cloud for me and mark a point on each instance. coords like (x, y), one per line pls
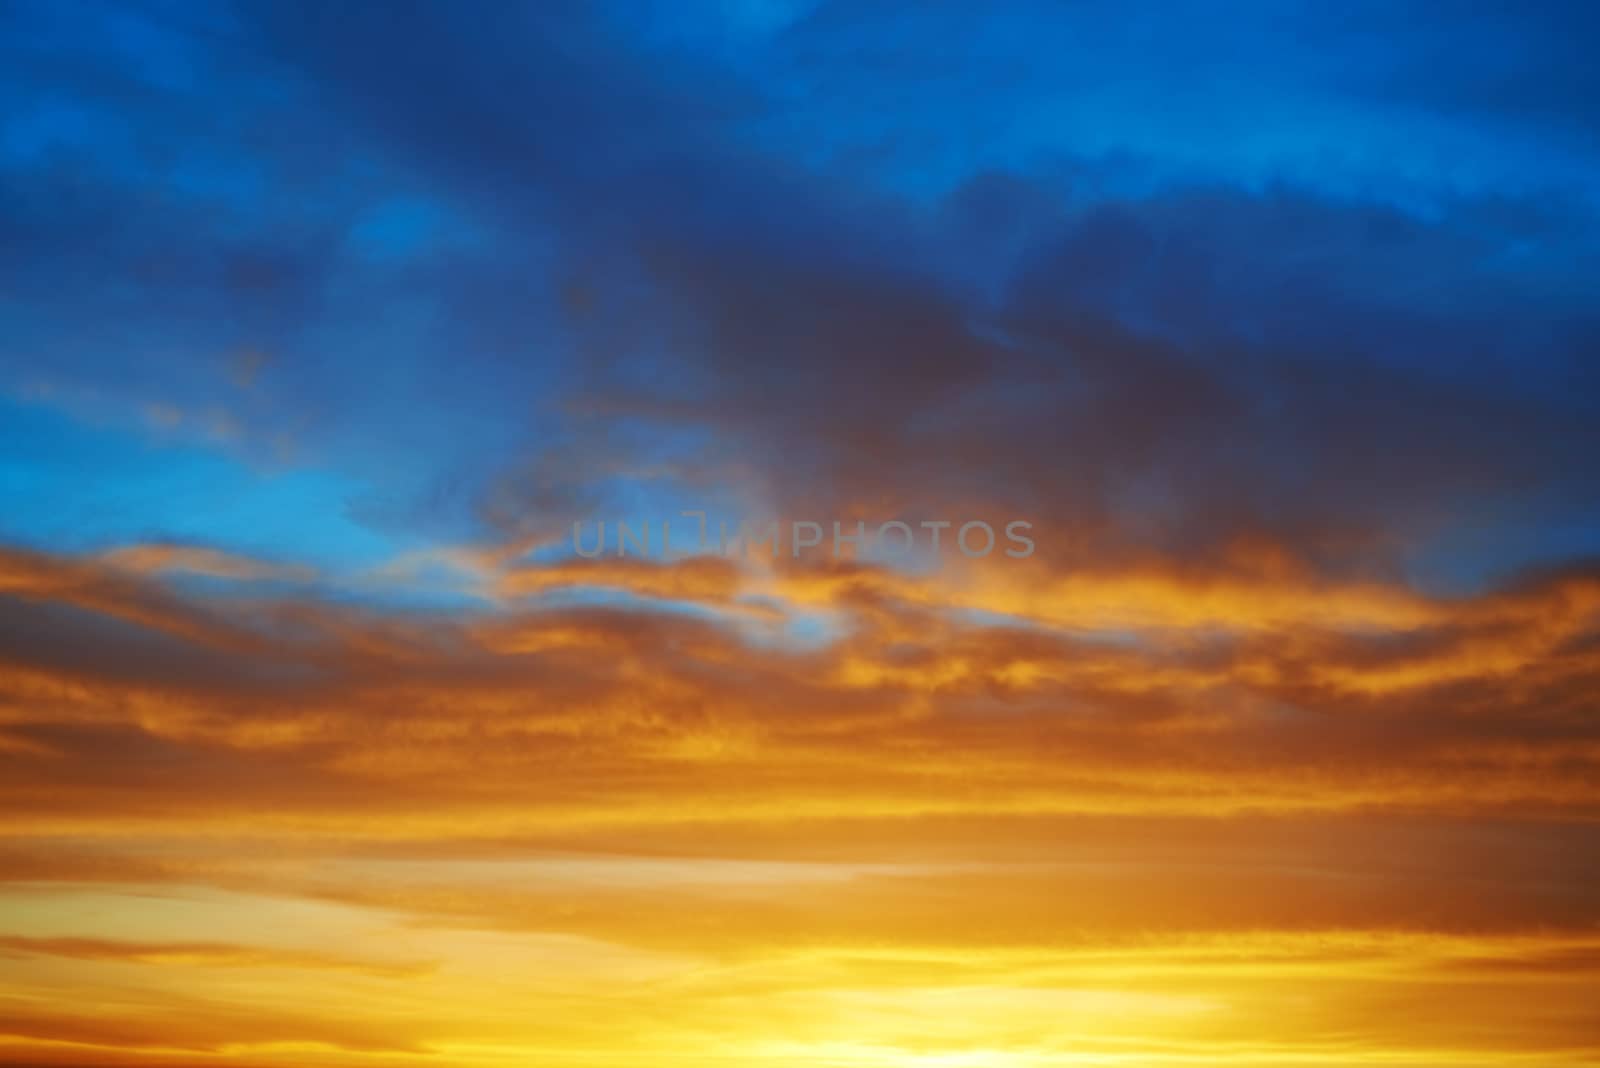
(1202, 820)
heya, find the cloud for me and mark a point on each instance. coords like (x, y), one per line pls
(1121, 691)
(197, 560)
(201, 954)
(1280, 749)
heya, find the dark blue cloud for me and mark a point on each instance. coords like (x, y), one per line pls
(1164, 279)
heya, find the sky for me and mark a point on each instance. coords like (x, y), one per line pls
(339, 339)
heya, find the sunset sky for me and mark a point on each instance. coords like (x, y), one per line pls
(322, 325)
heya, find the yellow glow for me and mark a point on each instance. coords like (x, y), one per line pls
(601, 840)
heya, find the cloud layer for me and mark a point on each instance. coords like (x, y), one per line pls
(324, 323)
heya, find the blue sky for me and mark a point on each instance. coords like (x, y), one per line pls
(333, 284)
